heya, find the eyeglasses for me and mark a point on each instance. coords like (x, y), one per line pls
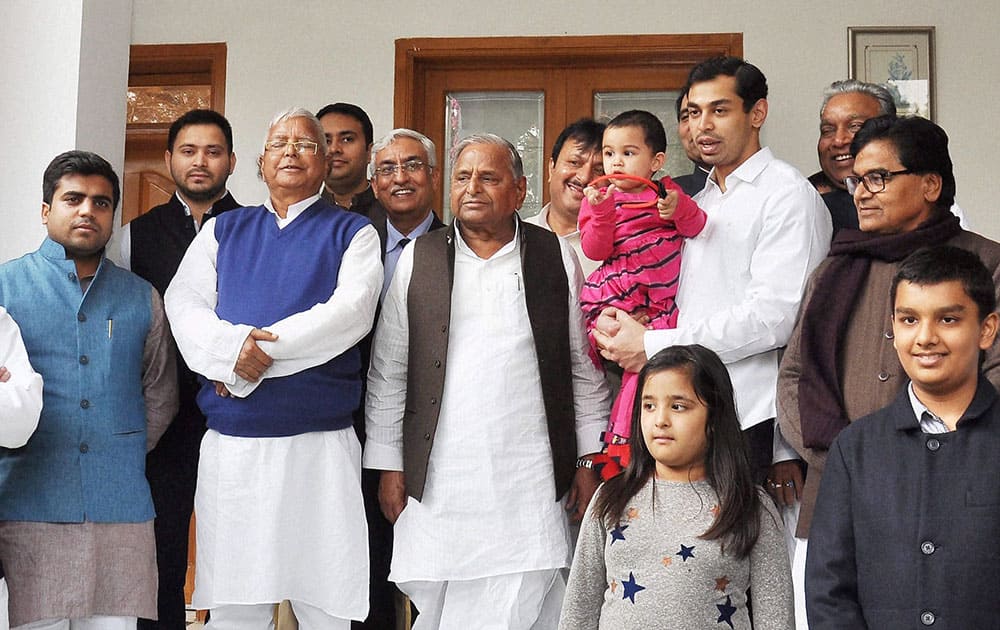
(299, 146)
(874, 181)
(410, 166)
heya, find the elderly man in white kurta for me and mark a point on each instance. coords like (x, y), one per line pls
(270, 303)
(481, 397)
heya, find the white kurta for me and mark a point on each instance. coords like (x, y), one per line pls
(21, 395)
(489, 506)
(278, 518)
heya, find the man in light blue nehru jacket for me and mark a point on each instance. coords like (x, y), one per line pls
(76, 516)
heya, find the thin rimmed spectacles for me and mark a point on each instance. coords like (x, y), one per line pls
(388, 170)
(299, 146)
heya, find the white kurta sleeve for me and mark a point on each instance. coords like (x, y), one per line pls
(387, 375)
(330, 328)
(591, 396)
(21, 394)
(209, 345)
(794, 238)
(305, 339)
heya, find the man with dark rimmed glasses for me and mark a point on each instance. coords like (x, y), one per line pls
(840, 363)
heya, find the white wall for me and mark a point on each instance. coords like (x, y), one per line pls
(64, 72)
(321, 51)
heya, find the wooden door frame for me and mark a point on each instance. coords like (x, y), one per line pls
(168, 64)
(424, 65)
(415, 57)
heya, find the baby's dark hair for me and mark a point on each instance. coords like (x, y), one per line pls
(652, 128)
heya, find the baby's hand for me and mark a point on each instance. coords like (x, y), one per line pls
(595, 196)
(667, 205)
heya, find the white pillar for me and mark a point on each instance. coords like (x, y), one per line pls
(64, 68)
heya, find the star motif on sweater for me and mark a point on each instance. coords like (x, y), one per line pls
(722, 583)
(667, 561)
(631, 587)
(618, 533)
(714, 510)
(685, 553)
(632, 514)
(726, 611)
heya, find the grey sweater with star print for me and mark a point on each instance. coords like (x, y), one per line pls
(654, 572)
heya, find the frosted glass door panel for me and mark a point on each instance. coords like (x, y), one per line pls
(607, 105)
(516, 116)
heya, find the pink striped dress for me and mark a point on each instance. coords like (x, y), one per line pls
(642, 263)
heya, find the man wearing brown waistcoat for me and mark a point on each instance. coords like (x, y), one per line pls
(477, 453)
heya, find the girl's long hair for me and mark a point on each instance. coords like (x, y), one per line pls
(727, 464)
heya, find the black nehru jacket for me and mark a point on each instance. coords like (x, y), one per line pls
(159, 239)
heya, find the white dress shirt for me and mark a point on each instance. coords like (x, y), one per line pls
(573, 238)
(743, 277)
(21, 396)
(489, 505)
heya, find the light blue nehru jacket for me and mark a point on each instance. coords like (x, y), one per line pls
(87, 459)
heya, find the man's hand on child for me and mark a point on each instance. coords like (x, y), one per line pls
(4, 374)
(666, 206)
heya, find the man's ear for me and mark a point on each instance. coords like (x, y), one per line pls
(758, 113)
(988, 331)
(932, 187)
(45, 213)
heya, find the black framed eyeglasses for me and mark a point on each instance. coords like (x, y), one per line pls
(874, 182)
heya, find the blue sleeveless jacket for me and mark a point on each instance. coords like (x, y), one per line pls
(87, 459)
(266, 274)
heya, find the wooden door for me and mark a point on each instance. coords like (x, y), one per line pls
(165, 81)
(569, 71)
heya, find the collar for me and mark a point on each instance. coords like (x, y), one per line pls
(461, 246)
(982, 402)
(56, 253)
(932, 423)
(542, 220)
(749, 170)
(294, 210)
(208, 213)
(393, 236)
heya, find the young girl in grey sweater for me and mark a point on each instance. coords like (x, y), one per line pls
(678, 538)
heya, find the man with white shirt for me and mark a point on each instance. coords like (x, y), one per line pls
(743, 277)
(576, 160)
(270, 303)
(20, 405)
(405, 179)
(481, 352)
(200, 159)
(20, 388)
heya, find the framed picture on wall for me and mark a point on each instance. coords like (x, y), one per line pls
(899, 57)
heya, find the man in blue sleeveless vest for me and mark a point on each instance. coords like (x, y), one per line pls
(270, 303)
(76, 517)
(200, 159)
(481, 398)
